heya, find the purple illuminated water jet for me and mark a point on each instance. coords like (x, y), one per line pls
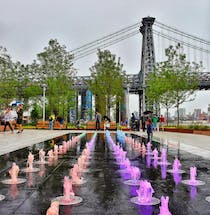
(177, 178)
(193, 181)
(176, 167)
(164, 210)
(164, 158)
(145, 193)
(134, 175)
(155, 154)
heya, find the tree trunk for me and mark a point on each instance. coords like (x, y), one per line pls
(177, 115)
(117, 112)
(108, 106)
(167, 116)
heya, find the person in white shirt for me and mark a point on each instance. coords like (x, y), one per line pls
(8, 119)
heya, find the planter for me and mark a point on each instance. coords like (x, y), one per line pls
(202, 132)
(180, 130)
(125, 129)
(189, 131)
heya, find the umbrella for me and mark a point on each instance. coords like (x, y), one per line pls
(107, 118)
(15, 103)
(147, 112)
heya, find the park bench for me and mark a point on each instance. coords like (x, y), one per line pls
(91, 125)
(58, 125)
(42, 124)
(45, 125)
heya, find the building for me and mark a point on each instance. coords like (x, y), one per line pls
(208, 113)
(197, 113)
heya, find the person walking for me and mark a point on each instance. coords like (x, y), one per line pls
(133, 121)
(162, 121)
(154, 122)
(51, 120)
(8, 119)
(19, 118)
(149, 130)
(98, 120)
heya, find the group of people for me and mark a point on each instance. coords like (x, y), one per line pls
(153, 123)
(7, 118)
(149, 123)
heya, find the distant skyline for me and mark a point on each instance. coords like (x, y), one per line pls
(189, 106)
(27, 26)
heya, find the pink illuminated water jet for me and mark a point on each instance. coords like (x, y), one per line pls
(56, 150)
(50, 153)
(29, 164)
(68, 197)
(41, 157)
(13, 172)
(76, 177)
(53, 209)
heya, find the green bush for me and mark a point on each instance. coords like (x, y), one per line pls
(191, 127)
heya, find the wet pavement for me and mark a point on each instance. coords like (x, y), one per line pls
(104, 193)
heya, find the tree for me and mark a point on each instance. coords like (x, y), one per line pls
(174, 80)
(159, 89)
(35, 114)
(7, 80)
(184, 76)
(56, 70)
(107, 79)
(25, 85)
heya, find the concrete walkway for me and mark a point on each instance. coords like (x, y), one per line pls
(11, 142)
(193, 143)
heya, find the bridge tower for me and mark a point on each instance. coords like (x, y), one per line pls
(147, 58)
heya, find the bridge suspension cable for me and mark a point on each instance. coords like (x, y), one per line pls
(181, 33)
(105, 41)
(180, 41)
(93, 49)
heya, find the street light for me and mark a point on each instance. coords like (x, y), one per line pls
(127, 106)
(44, 86)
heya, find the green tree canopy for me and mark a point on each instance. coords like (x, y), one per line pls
(57, 71)
(174, 80)
(107, 79)
(7, 79)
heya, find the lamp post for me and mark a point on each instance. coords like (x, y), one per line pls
(44, 86)
(127, 106)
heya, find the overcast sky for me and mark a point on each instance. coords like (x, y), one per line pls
(26, 26)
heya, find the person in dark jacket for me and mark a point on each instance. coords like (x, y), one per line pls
(19, 121)
(149, 130)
